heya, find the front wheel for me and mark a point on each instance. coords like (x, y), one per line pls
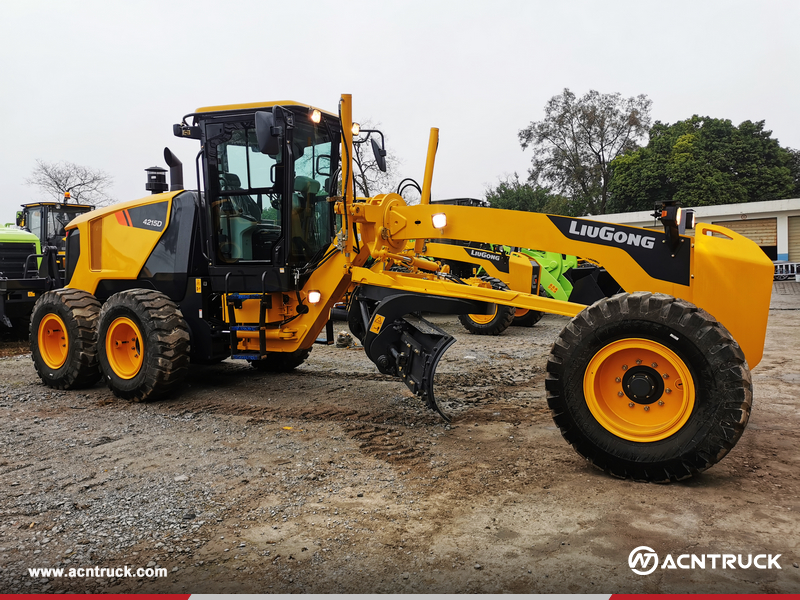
(143, 344)
(648, 387)
(63, 340)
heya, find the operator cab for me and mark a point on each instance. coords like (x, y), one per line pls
(268, 214)
(48, 221)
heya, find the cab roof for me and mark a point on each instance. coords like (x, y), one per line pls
(59, 205)
(252, 105)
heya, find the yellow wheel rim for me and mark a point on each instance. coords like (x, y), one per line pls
(639, 390)
(124, 348)
(53, 341)
(520, 312)
(484, 319)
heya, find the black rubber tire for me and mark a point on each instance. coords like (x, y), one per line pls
(503, 315)
(529, 319)
(281, 362)
(164, 344)
(78, 310)
(723, 386)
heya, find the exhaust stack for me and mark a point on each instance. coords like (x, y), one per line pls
(175, 170)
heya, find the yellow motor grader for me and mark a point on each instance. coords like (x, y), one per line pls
(652, 383)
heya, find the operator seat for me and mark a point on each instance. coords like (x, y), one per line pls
(237, 219)
(303, 201)
(243, 203)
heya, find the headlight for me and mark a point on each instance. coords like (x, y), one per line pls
(439, 220)
(314, 296)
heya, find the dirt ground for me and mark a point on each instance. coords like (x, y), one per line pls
(335, 479)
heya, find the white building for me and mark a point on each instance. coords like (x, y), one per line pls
(773, 224)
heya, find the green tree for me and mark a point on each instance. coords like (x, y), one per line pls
(578, 138)
(702, 161)
(794, 166)
(511, 194)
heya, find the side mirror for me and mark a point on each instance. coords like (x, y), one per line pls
(20, 221)
(380, 155)
(267, 134)
(323, 161)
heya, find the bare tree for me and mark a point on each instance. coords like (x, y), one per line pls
(577, 140)
(84, 184)
(370, 180)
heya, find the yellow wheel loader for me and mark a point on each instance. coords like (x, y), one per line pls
(652, 383)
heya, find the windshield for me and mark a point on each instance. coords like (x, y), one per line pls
(50, 229)
(34, 222)
(311, 217)
(57, 220)
(248, 213)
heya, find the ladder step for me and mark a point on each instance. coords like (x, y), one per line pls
(247, 356)
(245, 296)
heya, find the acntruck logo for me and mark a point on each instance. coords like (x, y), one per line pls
(643, 556)
(643, 560)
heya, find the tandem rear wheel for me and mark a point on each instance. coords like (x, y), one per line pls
(142, 344)
(648, 387)
(63, 339)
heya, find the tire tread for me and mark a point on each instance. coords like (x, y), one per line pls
(79, 310)
(164, 330)
(721, 423)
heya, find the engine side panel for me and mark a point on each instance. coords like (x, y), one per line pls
(116, 242)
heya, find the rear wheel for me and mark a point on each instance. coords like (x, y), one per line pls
(649, 387)
(494, 323)
(143, 344)
(526, 318)
(281, 362)
(63, 340)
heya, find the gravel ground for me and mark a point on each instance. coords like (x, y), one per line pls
(335, 479)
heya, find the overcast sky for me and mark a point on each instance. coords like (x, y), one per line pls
(101, 83)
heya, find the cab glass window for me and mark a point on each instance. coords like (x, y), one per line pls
(311, 213)
(247, 209)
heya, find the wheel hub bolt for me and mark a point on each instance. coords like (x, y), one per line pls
(624, 367)
(638, 361)
(630, 404)
(618, 380)
(668, 391)
(620, 394)
(646, 408)
(654, 365)
(665, 375)
(661, 403)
